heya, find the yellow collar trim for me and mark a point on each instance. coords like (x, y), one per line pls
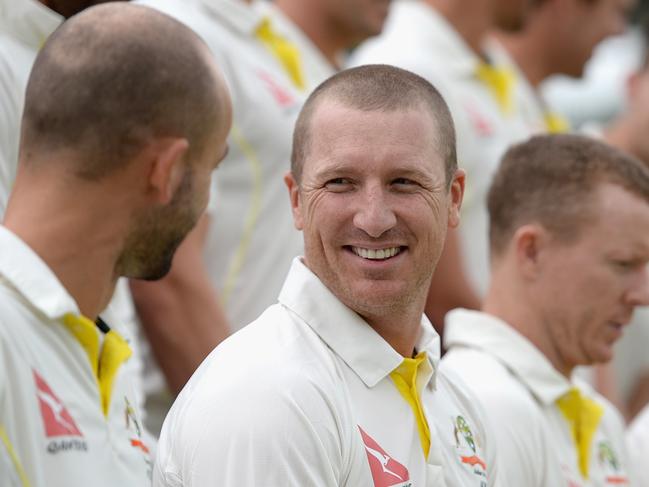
(104, 363)
(405, 379)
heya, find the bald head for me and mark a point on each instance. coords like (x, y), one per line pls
(379, 88)
(111, 79)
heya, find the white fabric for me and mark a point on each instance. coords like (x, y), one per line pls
(518, 387)
(281, 403)
(33, 340)
(638, 445)
(24, 26)
(417, 38)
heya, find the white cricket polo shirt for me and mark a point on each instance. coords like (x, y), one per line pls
(303, 397)
(53, 430)
(518, 387)
(419, 39)
(251, 239)
(637, 440)
(24, 26)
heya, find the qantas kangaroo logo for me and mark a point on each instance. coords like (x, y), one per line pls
(56, 418)
(386, 471)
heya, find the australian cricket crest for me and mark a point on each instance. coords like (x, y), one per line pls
(469, 448)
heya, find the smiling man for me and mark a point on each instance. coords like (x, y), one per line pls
(337, 384)
(569, 253)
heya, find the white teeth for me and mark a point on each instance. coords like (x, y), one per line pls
(379, 254)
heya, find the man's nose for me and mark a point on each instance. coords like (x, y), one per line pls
(374, 214)
(638, 293)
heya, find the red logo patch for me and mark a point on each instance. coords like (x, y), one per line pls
(282, 97)
(386, 471)
(480, 122)
(56, 418)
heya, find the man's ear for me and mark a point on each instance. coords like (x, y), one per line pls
(294, 196)
(167, 167)
(530, 242)
(456, 193)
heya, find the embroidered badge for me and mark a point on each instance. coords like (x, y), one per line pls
(467, 447)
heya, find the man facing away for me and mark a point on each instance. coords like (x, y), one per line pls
(114, 170)
(24, 27)
(558, 38)
(569, 253)
(337, 384)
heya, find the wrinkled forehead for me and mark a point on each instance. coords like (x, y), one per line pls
(382, 138)
(332, 121)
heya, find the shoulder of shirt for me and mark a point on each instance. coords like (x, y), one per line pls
(273, 354)
(493, 384)
(270, 379)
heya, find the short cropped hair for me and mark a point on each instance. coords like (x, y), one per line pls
(110, 79)
(552, 180)
(377, 88)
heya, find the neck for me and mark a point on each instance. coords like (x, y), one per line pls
(530, 57)
(399, 327)
(71, 232)
(472, 28)
(325, 35)
(509, 301)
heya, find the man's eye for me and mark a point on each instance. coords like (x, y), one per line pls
(338, 184)
(404, 184)
(626, 265)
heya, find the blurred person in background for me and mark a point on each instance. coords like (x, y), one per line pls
(438, 40)
(600, 94)
(558, 38)
(115, 168)
(325, 30)
(569, 253)
(233, 265)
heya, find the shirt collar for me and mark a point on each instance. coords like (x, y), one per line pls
(236, 15)
(26, 272)
(28, 21)
(485, 332)
(348, 335)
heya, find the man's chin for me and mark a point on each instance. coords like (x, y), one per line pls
(375, 300)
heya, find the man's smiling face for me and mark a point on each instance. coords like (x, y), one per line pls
(374, 205)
